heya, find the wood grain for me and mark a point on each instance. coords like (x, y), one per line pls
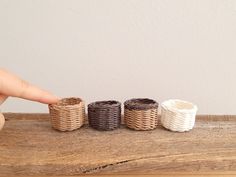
(29, 146)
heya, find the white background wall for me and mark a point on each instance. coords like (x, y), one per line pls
(120, 49)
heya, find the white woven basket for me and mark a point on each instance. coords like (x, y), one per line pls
(178, 115)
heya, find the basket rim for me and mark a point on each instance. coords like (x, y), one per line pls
(61, 103)
(104, 104)
(141, 104)
(167, 106)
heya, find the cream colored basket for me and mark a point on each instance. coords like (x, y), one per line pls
(178, 115)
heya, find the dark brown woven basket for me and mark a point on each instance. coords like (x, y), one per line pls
(68, 114)
(141, 114)
(104, 115)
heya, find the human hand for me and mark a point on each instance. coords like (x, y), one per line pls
(12, 85)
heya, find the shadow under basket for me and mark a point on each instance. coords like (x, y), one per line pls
(104, 115)
(68, 114)
(141, 114)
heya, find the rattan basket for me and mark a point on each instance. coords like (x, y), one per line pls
(68, 114)
(178, 115)
(141, 114)
(104, 115)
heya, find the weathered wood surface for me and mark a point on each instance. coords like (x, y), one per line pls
(29, 146)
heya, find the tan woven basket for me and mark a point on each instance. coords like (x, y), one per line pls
(68, 114)
(141, 114)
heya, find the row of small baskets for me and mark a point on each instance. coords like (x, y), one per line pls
(139, 114)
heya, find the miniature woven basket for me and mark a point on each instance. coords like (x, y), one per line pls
(141, 114)
(104, 115)
(68, 114)
(178, 115)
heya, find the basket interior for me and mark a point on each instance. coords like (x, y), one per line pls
(110, 103)
(69, 101)
(144, 101)
(141, 103)
(180, 105)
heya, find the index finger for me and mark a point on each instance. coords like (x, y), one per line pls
(12, 85)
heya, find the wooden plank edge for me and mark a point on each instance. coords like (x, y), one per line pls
(45, 116)
(211, 174)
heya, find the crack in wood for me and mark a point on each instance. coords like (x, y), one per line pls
(105, 166)
(91, 170)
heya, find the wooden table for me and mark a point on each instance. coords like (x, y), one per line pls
(29, 146)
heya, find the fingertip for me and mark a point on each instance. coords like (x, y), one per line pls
(49, 99)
